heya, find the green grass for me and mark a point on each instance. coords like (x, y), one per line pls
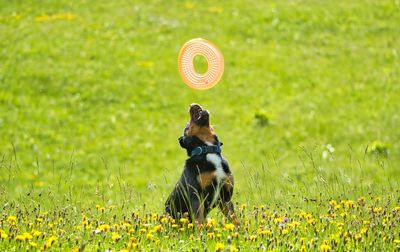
(92, 104)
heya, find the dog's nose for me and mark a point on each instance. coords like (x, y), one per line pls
(205, 113)
(194, 106)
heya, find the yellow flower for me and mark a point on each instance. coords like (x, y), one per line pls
(233, 249)
(229, 226)
(164, 220)
(294, 224)
(211, 222)
(150, 237)
(376, 210)
(325, 247)
(85, 221)
(264, 232)
(184, 220)
(132, 245)
(12, 220)
(253, 238)
(243, 206)
(311, 221)
(51, 241)
(126, 225)
(219, 246)
(28, 236)
(158, 228)
(20, 237)
(235, 235)
(174, 226)
(333, 202)
(363, 231)
(3, 234)
(190, 225)
(350, 204)
(278, 220)
(396, 241)
(285, 231)
(211, 235)
(23, 237)
(191, 237)
(33, 244)
(124, 250)
(103, 228)
(303, 248)
(115, 236)
(361, 200)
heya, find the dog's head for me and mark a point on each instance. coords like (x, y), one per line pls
(198, 131)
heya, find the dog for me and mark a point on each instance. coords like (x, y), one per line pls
(207, 180)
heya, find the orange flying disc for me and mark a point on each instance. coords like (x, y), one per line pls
(215, 62)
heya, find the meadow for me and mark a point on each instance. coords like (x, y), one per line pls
(92, 105)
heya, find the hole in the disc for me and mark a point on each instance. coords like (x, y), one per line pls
(200, 64)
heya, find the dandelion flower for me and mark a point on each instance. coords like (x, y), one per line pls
(115, 236)
(229, 226)
(233, 249)
(150, 236)
(164, 220)
(211, 222)
(51, 241)
(3, 234)
(253, 238)
(219, 246)
(12, 219)
(184, 220)
(325, 247)
(158, 228)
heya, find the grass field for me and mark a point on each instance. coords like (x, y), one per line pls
(92, 104)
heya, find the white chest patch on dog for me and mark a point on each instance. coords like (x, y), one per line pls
(217, 162)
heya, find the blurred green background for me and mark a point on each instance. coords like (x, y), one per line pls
(92, 104)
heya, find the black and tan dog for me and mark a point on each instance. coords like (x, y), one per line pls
(206, 180)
